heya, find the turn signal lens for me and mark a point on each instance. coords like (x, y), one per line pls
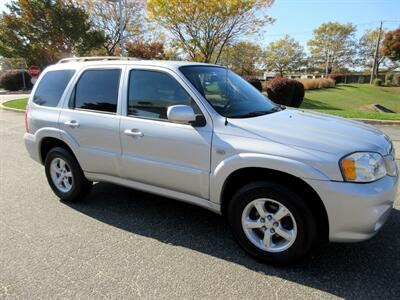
(349, 169)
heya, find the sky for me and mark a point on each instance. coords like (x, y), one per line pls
(298, 18)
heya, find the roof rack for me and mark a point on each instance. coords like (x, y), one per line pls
(94, 58)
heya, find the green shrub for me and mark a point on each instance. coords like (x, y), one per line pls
(12, 80)
(378, 82)
(396, 79)
(286, 91)
(361, 79)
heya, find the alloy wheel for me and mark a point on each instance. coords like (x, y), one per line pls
(269, 225)
(61, 174)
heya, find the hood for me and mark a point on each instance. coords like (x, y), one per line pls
(315, 131)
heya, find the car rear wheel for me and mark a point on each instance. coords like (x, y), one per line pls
(65, 176)
(272, 223)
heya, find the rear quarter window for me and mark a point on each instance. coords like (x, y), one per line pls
(51, 87)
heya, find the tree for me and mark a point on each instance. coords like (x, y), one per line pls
(284, 56)
(202, 28)
(43, 31)
(367, 48)
(391, 45)
(105, 17)
(333, 46)
(242, 57)
(145, 50)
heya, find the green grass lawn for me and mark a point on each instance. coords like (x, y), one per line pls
(18, 103)
(353, 100)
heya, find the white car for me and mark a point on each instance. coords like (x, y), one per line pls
(287, 180)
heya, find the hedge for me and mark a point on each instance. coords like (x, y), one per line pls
(286, 91)
(11, 80)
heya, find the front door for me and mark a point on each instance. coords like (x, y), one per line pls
(156, 151)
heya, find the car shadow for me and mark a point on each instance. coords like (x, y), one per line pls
(348, 85)
(364, 270)
(315, 104)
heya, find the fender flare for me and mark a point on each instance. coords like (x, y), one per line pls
(254, 160)
(49, 132)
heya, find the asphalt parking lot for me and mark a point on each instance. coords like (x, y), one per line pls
(123, 243)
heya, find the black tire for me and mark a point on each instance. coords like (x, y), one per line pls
(80, 185)
(307, 236)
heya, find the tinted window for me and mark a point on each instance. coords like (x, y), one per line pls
(98, 90)
(152, 92)
(51, 87)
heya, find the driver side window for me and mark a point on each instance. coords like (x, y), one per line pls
(151, 93)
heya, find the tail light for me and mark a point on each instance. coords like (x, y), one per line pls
(26, 119)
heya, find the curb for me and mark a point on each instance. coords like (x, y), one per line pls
(11, 109)
(378, 122)
(15, 92)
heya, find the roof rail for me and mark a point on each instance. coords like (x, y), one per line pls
(94, 58)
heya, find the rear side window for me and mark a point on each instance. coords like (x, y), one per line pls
(98, 90)
(51, 87)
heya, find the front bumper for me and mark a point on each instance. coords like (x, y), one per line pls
(356, 211)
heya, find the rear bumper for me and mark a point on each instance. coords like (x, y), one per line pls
(356, 211)
(32, 147)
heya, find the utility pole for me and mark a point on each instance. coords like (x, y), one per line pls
(374, 71)
(121, 25)
(121, 28)
(22, 67)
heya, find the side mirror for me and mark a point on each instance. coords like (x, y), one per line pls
(181, 114)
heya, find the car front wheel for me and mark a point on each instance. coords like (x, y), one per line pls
(272, 223)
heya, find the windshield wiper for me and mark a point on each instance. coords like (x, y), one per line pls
(257, 113)
(278, 107)
(253, 114)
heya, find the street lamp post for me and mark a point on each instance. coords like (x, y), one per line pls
(121, 26)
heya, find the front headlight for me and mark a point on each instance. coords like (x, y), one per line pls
(363, 167)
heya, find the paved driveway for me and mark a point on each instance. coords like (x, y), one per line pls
(122, 243)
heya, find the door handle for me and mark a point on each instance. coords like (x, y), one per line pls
(72, 123)
(133, 132)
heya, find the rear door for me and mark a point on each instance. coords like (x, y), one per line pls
(162, 153)
(91, 118)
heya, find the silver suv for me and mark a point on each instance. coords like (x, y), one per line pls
(286, 180)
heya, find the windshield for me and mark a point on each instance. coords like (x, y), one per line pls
(228, 93)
